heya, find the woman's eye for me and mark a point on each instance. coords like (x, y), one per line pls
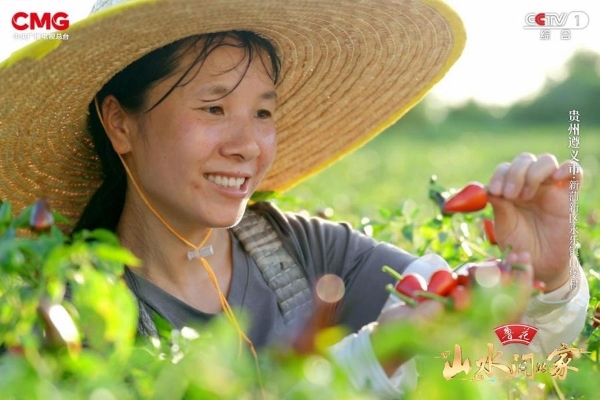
(215, 110)
(263, 114)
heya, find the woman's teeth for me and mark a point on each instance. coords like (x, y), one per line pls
(227, 182)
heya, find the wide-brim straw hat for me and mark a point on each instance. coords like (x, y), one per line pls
(350, 69)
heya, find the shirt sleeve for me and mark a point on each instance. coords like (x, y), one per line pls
(355, 356)
(325, 247)
(558, 315)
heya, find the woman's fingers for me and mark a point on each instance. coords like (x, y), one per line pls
(509, 178)
(568, 170)
(538, 172)
(515, 176)
(496, 185)
(523, 177)
(426, 311)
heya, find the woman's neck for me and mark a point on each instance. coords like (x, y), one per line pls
(165, 259)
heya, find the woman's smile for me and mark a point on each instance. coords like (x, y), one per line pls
(220, 123)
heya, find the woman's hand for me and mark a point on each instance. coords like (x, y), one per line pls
(531, 199)
(425, 314)
(404, 332)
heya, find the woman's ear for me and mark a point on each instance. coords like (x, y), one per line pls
(118, 124)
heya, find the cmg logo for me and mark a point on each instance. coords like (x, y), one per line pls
(22, 21)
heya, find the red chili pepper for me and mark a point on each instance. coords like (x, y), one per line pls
(16, 350)
(464, 279)
(539, 287)
(488, 227)
(442, 282)
(596, 318)
(461, 298)
(411, 283)
(472, 197)
(409, 301)
(41, 217)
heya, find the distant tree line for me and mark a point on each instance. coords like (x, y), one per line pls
(580, 90)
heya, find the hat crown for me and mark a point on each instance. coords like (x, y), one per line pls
(349, 70)
(102, 4)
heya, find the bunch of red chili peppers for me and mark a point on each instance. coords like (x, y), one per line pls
(450, 287)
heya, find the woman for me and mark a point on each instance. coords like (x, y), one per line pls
(186, 124)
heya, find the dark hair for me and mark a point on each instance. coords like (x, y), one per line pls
(131, 86)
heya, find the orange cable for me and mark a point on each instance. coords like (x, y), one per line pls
(222, 299)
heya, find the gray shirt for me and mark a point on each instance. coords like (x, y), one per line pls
(319, 247)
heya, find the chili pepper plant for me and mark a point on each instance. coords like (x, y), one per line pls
(68, 321)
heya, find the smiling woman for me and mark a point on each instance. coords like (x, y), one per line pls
(236, 97)
(216, 75)
(198, 135)
(211, 139)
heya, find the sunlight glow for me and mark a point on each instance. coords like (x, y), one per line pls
(502, 61)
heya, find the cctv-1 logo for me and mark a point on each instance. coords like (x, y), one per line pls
(553, 20)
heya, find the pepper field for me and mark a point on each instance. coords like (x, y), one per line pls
(87, 348)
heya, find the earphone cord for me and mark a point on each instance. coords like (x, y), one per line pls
(213, 278)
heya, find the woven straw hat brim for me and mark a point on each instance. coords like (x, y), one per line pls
(350, 69)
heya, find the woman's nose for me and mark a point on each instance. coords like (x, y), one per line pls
(242, 140)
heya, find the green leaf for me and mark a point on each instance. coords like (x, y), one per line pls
(263, 196)
(60, 219)
(172, 383)
(428, 232)
(22, 220)
(108, 312)
(594, 341)
(57, 262)
(56, 290)
(5, 213)
(119, 255)
(101, 235)
(408, 231)
(163, 327)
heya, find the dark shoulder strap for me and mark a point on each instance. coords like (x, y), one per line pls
(146, 326)
(281, 272)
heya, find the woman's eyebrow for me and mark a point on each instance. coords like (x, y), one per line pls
(212, 91)
(270, 95)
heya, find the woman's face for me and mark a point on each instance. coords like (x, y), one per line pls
(201, 153)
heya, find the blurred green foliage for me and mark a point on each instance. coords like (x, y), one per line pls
(463, 144)
(84, 345)
(396, 166)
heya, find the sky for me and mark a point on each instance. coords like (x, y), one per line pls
(502, 61)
